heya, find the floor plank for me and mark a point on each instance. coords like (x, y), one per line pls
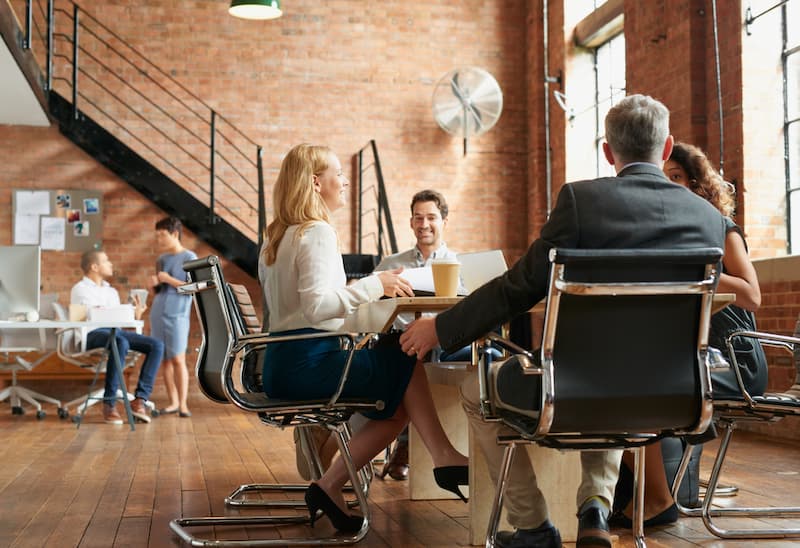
(103, 485)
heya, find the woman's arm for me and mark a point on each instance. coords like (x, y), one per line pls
(740, 276)
(321, 281)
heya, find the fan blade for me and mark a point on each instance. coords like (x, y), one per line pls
(466, 102)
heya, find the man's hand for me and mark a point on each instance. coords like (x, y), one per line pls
(420, 337)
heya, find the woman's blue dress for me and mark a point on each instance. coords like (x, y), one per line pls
(169, 313)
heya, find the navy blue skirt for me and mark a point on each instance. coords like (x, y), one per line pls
(311, 369)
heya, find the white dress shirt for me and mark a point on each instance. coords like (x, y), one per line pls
(91, 295)
(306, 285)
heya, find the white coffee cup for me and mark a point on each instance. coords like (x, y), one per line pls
(445, 277)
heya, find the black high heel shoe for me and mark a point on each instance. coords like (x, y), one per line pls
(317, 499)
(450, 477)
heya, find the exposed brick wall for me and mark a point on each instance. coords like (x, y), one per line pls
(41, 158)
(342, 72)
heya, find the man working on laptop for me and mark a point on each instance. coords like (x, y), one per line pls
(94, 291)
(639, 208)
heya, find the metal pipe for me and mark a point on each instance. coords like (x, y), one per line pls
(212, 145)
(786, 162)
(719, 90)
(547, 153)
(360, 198)
(50, 25)
(749, 17)
(262, 208)
(26, 41)
(75, 61)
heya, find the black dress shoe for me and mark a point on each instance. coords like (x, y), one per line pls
(670, 515)
(593, 529)
(541, 537)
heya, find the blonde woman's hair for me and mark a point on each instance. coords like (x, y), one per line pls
(293, 197)
(703, 179)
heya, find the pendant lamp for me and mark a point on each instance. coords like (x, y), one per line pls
(255, 9)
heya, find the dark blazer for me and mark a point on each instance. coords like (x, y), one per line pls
(639, 208)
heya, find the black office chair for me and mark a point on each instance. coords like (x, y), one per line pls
(229, 370)
(622, 359)
(768, 408)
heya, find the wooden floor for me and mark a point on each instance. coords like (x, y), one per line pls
(103, 485)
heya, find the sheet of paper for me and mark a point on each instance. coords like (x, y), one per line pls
(53, 232)
(33, 202)
(26, 229)
(421, 279)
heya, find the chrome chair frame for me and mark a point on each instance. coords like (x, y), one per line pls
(226, 371)
(771, 407)
(548, 427)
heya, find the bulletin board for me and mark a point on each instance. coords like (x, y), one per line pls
(61, 220)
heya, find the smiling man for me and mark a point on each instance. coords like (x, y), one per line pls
(428, 221)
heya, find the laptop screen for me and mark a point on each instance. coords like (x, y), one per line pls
(479, 267)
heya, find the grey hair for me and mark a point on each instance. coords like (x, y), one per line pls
(637, 128)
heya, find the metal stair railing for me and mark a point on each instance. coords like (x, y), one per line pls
(373, 202)
(150, 111)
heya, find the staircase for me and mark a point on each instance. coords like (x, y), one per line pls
(152, 132)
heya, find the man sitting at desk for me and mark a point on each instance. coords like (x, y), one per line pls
(639, 208)
(94, 291)
(428, 220)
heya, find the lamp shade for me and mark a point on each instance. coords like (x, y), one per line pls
(255, 9)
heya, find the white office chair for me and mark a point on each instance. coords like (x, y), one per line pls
(15, 342)
(71, 348)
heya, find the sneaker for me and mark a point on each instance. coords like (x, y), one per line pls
(110, 415)
(139, 410)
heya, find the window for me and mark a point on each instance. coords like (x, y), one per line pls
(596, 81)
(790, 58)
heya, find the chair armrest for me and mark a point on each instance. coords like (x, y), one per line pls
(526, 361)
(258, 339)
(195, 287)
(770, 339)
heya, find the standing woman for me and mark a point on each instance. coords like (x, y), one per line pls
(169, 314)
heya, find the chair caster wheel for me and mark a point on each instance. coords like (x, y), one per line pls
(40, 414)
(76, 419)
(63, 413)
(17, 410)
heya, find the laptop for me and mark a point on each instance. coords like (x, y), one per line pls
(479, 267)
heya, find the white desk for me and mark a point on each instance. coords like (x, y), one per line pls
(43, 326)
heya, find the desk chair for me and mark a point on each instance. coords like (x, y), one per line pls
(622, 362)
(228, 370)
(71, 348)
(769, 408)
(246, 321)
(14, 342)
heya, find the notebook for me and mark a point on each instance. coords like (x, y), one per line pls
(479, 267)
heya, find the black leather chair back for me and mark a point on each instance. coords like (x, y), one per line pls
(208, 284)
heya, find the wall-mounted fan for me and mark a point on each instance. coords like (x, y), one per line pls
(467, 101)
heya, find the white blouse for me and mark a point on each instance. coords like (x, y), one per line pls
(306, 285)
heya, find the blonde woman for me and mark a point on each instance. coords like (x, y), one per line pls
(306, 292)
